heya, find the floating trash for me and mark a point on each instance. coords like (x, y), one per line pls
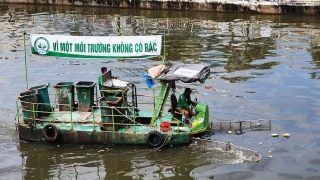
(274, 135)
(286, 135)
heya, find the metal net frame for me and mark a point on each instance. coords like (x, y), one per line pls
(240, 127)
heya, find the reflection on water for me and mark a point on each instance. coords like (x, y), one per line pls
(233, 45)
(90, 162)
(262, 66)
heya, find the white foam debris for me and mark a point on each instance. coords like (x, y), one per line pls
(226, 153)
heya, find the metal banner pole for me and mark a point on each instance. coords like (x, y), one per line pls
(25, 58)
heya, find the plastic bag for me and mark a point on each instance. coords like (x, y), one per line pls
(156, 71)
(149, 80)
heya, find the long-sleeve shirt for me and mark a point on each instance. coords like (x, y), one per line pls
(184, 102)
(99, 81)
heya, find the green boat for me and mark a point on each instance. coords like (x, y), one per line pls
(79, 113)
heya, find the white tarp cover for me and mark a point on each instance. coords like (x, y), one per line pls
(96, 46)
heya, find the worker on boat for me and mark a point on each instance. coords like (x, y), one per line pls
(103, 70)
(184, 103)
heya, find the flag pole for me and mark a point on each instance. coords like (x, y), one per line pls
(164, 47)
(25, 58)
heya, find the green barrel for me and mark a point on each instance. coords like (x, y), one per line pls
(85, 95)
(65, 94)
(106, 112)
(43, 99)
(29, 106)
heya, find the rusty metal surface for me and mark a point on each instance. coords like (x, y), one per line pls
(90, 137)
(85, 95)
(65, 95)
(30, 133)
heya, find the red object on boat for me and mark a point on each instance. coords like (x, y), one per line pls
(165, 126)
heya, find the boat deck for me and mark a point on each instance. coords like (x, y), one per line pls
(89, 121)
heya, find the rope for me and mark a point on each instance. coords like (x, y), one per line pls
(15, 117)
(16, 124)
(168, 138)
(112, 107)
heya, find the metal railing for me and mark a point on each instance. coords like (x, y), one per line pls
(118, 116)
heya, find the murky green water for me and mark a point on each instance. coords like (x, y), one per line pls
(263, 66)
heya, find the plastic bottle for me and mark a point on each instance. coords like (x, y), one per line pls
(183, 119)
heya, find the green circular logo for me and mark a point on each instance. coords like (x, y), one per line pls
(41, 45)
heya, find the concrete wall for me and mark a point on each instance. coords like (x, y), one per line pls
(260, 6)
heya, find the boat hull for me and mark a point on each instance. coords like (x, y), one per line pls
(91, 136)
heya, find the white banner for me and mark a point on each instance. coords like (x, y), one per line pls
(96, 46)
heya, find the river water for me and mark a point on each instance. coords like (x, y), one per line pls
(262, 67)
